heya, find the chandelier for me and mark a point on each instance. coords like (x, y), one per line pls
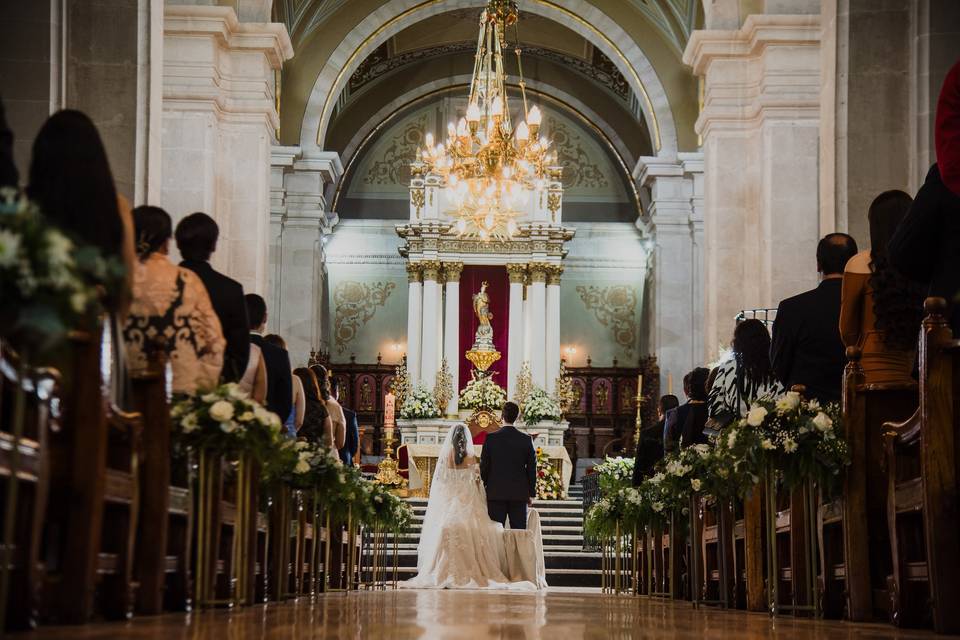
(490, 169)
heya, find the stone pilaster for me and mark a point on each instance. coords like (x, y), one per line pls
(537, 306)
(217, 133)
(515, 325)
(451, 329)
(431, 341)
(552, 334)
(414, 320)
(760, 129)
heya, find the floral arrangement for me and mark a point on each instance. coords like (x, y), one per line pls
(482, 393)
(549, 482)
(539, 406)
(419, 403)
(795, 439)
(48, 283)
(227, 420)
(384, 510)
(615, 473)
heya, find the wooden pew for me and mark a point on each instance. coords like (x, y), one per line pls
(861, 565)
(90, 527)
(164, 535)
(922, 500)
(24, 479)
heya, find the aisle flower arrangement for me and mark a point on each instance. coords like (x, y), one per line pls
(482, 393)
(419, 403)
(549, 482)
(539, 406)
(228, 421)
(48, 283)
(796, 439)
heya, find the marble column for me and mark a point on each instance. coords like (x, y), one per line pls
(537, 305)
(552, 349)
(218, 133)
(760, 129)
(677, 286)
(515, 326)
(430, 341)
(414, 320)
(451, 329)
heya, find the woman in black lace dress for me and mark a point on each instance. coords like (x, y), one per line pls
(317, 426)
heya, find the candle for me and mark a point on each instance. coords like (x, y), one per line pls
(669, 383)
(389, 407)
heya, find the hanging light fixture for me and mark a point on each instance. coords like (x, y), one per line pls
(491, 168)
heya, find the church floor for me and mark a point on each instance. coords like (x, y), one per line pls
(558, 615)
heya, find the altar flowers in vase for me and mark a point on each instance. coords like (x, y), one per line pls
(539, 406)
(419, 403)
(482, 393)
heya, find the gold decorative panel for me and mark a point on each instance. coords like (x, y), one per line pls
(614, 306)
(354, 304)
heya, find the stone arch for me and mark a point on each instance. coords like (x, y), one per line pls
(393, 17)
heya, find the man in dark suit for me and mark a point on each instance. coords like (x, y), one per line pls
(508, 467)
(683, 427)
(197, 240)
(650, 447)
(275, 359)
(806, 347)
(352, 442)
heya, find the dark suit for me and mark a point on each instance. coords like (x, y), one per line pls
(926, 246)
(352, 443)
(508, 466)
(279, 377)
(649, 452)
(683, 426)
(226, 295)
(806, 347)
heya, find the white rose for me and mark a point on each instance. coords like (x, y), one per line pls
(657, 478)
(209, 397)
(189, 423)
(221, 411)
(234, 391)
(756, 416)
(302, 466)
(696, 484)
(301, 445)
(228, 427)
(788, 401)
(246, 416)
(78, 301)
(766, 444)
(823, 422)
(789, 445)
(702, 449)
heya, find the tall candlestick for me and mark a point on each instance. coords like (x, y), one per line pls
(669, 383)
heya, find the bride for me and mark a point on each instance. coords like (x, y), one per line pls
(460, 546)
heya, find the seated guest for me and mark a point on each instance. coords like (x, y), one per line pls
(299, 405)
(276, 360)
(352, 433)
(744, 377)
(197, 240)
(70, 180)
(650, 447)
(254, 378)
(339, 432)
(880, 310)
(683, 426)
(806, 347)
(926, 246)
(317, 427)
(171, 311)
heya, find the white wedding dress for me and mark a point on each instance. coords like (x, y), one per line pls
(460, 546)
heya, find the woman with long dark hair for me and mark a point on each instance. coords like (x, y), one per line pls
(70, 180)
(880, 310)
(745, 377)
(338, 432)
(317, 426)
(171, 310)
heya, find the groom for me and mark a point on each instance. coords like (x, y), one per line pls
(508, 466)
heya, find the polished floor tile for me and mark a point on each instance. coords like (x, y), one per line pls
(556, 615)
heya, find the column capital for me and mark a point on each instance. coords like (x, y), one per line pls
(431, 269)
(452, 271)
(414, 272)
(538, 271)
(554, 271)
(517, 273)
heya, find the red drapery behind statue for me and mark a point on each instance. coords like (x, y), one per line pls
(498, 290)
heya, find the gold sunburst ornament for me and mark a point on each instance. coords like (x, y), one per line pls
(491, 169)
